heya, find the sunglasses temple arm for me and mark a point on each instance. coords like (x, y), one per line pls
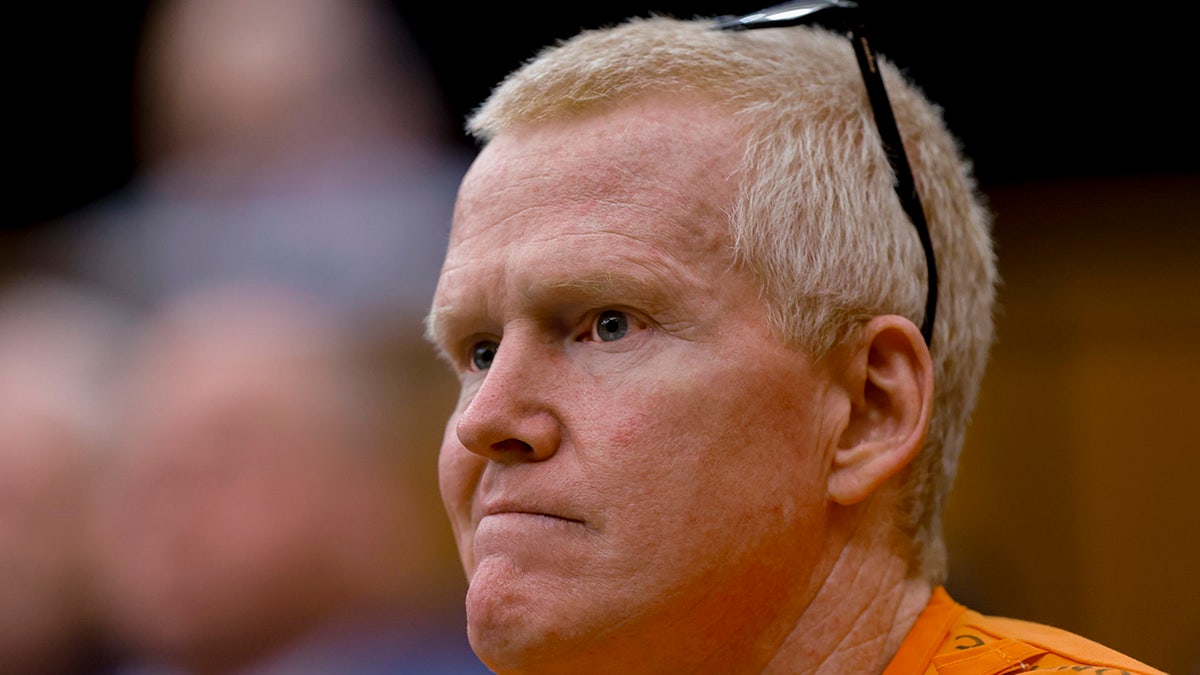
(906, 188)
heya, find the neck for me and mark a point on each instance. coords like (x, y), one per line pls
(861, 613)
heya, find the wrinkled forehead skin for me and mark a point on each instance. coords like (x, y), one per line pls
(642, 151)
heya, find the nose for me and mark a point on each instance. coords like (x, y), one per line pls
(511, 416)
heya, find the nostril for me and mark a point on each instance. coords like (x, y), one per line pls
(511, 445)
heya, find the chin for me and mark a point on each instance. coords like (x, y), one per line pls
(517, 625)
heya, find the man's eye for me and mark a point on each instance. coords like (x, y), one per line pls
(483, 353)
(611, 325)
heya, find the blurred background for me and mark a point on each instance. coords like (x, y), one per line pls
(173, 158)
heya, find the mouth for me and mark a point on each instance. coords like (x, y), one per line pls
(524, 515)
(520, 513)
(525, 530)
(538, 535)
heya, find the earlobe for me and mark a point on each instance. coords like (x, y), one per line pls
(889, 377)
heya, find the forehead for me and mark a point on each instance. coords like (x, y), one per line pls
(648, 175)
(667, 152)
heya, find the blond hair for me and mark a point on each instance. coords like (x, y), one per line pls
(816, 220)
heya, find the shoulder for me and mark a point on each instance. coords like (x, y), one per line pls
(950, 639)
(1041, 647)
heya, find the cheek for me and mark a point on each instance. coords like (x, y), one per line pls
(721, 444)
(737, 416)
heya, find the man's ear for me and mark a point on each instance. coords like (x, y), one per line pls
(889, 378)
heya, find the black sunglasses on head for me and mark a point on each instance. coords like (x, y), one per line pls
(848, 16)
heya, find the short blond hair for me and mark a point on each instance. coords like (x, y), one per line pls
(816, 220)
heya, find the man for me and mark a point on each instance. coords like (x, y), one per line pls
(700, 429)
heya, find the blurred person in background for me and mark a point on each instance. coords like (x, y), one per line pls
(249, 519)
(56, 346)
(265, 511)
(302, 141)
(255, 515)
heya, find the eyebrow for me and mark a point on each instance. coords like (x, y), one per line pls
(439, 323)
(596, 284)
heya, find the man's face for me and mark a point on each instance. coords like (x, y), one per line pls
(636, 464)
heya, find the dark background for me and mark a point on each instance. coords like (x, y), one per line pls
(1036, 91)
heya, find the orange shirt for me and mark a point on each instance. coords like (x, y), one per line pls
(949, 639)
